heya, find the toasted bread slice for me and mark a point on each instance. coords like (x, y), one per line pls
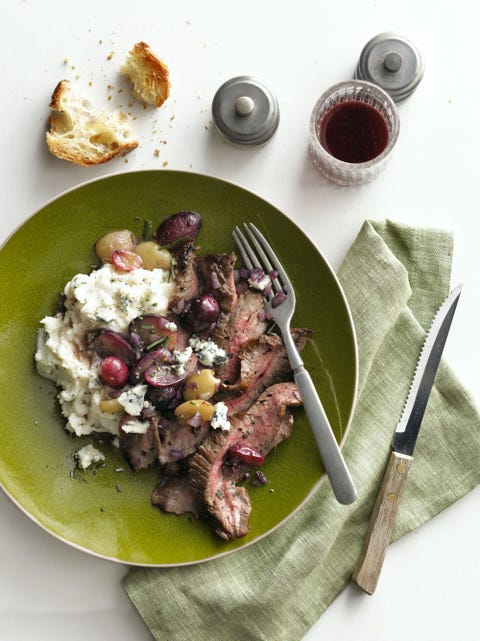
(83, 137)
(148, 75)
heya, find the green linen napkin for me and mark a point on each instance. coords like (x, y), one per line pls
(395, 278)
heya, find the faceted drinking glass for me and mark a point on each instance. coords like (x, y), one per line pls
(344, 97)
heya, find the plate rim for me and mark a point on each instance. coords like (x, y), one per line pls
(321, 480)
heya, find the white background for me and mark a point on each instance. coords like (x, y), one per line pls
(428, 589)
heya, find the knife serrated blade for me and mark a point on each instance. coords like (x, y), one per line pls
(408, 426)
(382, 521)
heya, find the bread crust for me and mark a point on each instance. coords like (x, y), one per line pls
(148, 75)
(72, 135)
(57, 93)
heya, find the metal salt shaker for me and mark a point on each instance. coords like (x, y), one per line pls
(245, 111)
(392, 62)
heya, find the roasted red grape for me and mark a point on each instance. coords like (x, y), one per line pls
(178, 229)
(201, 312)
(163, 376)
(113, 344)
(161, 397)
(126, 260)
(149, 329)
(113, 371)
(244, 453)
(160, 356)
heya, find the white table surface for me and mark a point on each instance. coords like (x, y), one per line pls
(429, 585)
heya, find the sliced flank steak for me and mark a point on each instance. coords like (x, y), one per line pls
(245, 322)
(175, 494)
(217, 272)
(178, 440)
(263, 362)
(187, 282)
(141, 450)
(262, 427)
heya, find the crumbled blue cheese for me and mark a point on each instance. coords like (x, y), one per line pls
(260, 284)
(133, 399)
(208, 352)
(181, 358)
(219, 419)
(171, 326)
(87, 455)
(134, 426)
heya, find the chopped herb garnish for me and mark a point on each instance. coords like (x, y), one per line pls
(147, 229)
(161, 341)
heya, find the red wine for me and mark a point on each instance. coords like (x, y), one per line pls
(353, 131)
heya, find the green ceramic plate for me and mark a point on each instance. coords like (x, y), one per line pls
(107, 512)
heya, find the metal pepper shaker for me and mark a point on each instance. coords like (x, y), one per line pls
(245, 111)
(392, 62)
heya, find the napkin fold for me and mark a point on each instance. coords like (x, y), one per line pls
(395, 278)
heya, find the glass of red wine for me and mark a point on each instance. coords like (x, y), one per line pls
(353, 129)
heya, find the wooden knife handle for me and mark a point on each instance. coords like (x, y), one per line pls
(382, 521)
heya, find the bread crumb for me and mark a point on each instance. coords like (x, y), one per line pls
(165, 164)
(110, 55)
(156, 153)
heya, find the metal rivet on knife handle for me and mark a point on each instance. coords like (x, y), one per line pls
(382, 521)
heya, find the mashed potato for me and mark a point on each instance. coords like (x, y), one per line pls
(104, 299)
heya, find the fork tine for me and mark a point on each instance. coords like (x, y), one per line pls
(264, 248)
(243, 246)
(267, 265)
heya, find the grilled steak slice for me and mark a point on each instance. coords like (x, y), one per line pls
(188, 284)
(179, 440)
(141, 450)
(263, 363)
(268, 421)
(227, 506)
(217, 271)
(175, 494)
(245, 322)
(262, 427)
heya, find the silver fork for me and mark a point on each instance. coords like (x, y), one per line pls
(280, 305)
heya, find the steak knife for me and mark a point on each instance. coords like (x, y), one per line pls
(382, 521)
